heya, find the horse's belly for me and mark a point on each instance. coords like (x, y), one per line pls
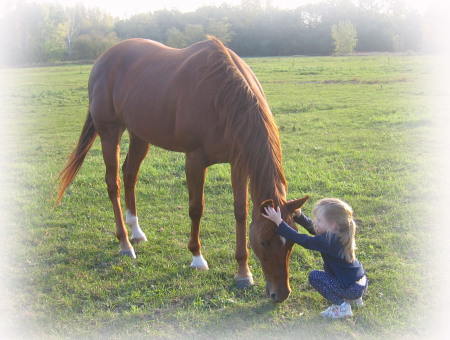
(164, 135)
(184, 139)
(158, 135)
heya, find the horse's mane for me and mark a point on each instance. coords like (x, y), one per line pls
(245, 117)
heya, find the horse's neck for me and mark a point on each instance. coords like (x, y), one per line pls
(276, 192)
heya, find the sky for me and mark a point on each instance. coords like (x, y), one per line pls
(124, 9)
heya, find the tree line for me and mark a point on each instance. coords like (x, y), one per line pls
(46, 32)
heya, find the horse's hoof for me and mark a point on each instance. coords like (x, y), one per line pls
(199, 263)
(245, 282)
(137, 235)
(136, 240)
(128, 253)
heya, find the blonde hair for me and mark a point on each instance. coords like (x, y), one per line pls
(333, 209)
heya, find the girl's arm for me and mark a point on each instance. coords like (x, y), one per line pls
(318, 243)
(313, 243)
(305, 222)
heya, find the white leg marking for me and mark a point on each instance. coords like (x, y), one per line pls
(136, 232)
(198, 262)
(283, 240)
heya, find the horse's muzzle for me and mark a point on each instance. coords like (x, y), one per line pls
(277, 295)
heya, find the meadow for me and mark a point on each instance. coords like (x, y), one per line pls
(351, 127)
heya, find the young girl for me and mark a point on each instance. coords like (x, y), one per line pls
(343, 277)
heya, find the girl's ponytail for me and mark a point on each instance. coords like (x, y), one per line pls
(346, 234)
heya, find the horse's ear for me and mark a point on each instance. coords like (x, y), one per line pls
(293, 205)
(267, 230)
(266, 203)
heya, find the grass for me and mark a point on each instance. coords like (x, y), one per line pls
(351, 127)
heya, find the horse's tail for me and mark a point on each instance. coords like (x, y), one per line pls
(77, 156)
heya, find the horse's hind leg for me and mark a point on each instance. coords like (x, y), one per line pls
(110, 136)
(136, 154)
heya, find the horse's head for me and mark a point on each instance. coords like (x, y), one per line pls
(273, 250)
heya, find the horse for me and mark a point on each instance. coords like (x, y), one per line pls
(204, 101)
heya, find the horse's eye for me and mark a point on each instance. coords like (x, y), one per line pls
(265, 244)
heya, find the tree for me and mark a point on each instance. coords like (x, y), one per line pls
(74, 22)
(91, 46)
(35, 34)
(94, 34)
(397, 43)
(220, 29)
(176, 38)
(344, 35)
(193, 33)
(39, 32)
(139, 26)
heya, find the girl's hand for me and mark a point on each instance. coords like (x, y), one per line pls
(273, 215)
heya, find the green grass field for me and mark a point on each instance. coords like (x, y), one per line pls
(351, 127)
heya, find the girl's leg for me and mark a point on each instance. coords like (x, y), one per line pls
(354, 292)
(327, 285)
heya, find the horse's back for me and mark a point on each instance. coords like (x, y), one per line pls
(151, 89)
(135, 57)
(168, 96)
(124, 59)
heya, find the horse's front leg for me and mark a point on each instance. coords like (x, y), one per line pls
(244, 277)
(195, 178)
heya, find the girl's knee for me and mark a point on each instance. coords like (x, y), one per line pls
(314, 276)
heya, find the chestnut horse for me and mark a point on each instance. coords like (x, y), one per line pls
(202, 100)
